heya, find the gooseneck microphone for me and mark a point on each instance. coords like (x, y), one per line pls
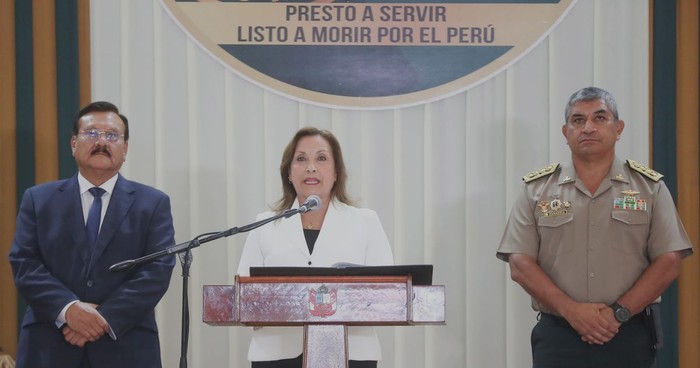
(312, 203)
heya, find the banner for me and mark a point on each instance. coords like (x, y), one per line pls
(367, 55)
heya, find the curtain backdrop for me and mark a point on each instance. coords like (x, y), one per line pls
(441, 175)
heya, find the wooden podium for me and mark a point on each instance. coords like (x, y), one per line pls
(325, 306)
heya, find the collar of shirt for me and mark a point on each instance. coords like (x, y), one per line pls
(618, 172)
(86, 198)
(85, 185)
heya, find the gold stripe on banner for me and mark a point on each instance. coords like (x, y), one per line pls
(84, 51)
(687, 152)
(8, 175)
(45, 91)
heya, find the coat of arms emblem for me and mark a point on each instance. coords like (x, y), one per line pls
(322, 303)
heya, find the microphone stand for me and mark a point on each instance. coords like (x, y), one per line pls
(186, 261)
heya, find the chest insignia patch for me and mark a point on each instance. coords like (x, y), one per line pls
(555, 207)
(630, 201)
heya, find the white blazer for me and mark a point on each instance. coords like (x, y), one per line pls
(349, 234)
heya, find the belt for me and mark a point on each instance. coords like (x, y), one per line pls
(637, 318)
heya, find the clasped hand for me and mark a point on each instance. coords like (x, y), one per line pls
(594, 322)
(84, 323)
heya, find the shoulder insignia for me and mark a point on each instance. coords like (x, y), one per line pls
(547, 170)
(649, 173)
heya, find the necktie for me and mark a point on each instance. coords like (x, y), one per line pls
(93, 222)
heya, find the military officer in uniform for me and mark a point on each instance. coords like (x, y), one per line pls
(595, 242)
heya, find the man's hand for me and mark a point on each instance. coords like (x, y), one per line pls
(84, 319)
(593, 321)
(588, 319)
(73, 337)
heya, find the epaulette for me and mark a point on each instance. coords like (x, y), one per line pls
(649, 173)
(547, 170)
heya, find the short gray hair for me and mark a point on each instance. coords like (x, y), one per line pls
(590, 94)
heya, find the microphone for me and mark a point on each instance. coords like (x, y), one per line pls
(312, 203)
(122, 265)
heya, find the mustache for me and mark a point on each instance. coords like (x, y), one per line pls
(101, 149)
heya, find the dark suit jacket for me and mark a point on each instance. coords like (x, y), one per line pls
(52, 266)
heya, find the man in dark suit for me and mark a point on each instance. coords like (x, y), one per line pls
(68, 233)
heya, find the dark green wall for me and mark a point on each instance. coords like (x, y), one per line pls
(663, 129)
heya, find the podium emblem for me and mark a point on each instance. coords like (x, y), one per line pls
(322, 303)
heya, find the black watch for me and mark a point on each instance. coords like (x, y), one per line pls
(622, 314)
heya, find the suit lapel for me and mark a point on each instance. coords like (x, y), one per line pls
(69, 199)
(293, 229)
(119, 204)
(332, 228)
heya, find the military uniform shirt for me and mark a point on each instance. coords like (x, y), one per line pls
(594, 246)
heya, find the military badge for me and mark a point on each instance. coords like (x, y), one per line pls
(629, 201)
(555, 207)
(547, 170)
(322, 303)
(649, 173)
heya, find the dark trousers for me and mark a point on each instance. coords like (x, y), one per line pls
(556, 344)
(298, 362)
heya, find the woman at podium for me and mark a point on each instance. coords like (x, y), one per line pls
(332, 231)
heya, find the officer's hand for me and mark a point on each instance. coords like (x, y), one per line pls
(84, 319)
(610, 324)
(591, 322)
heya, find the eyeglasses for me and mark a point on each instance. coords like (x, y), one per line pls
(94, 134)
